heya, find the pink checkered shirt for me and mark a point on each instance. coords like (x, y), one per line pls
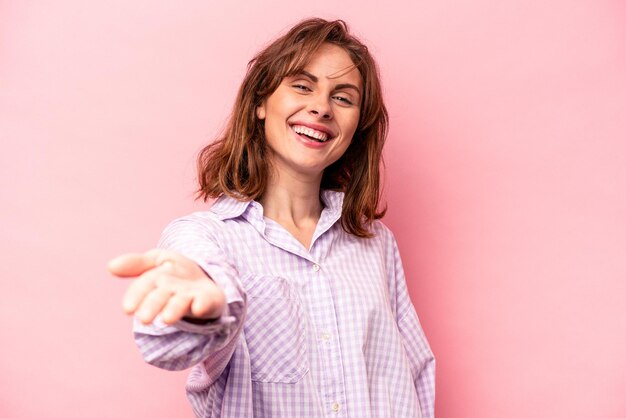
(324, 332)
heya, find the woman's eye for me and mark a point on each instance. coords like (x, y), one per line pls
(301, 87)
(344, 100)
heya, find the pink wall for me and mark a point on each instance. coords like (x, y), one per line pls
(506, 179)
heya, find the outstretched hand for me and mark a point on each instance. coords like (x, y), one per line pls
(167, 284)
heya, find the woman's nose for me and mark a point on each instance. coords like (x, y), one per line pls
(320, 107)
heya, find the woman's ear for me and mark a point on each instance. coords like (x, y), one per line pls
(260, 111)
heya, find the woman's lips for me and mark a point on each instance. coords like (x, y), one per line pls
(312, 133)
(318, 131)
(310, 142)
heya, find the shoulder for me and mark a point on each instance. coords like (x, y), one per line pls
(203, 219)
(382, 241)
(210, 221)
(196, 225)
(382, 232)
(386, 241)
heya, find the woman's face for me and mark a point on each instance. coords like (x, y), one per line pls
(311, 117)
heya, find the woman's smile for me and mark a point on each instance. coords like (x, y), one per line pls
(315, 133)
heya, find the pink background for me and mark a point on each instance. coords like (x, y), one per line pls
(506, 185)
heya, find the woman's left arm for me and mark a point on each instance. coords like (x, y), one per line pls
(422, 361)
(415, 344)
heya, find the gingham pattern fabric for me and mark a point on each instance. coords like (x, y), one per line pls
(324, 332)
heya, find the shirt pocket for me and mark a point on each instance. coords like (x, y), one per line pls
(275, 331)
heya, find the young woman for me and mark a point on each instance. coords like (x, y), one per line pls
(288, 295)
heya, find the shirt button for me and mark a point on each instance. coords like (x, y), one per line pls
(335, 407)
(325, 336)
(316, 267)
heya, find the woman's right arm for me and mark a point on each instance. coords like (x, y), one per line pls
(186, 299)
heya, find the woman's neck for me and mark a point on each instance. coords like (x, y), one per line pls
(292, 201)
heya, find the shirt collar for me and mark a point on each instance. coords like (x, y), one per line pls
(333, 201)
(226, 207)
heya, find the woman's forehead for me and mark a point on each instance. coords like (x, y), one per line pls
(329, 62)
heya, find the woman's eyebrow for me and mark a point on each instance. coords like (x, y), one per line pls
(337, 87)
(348, 86)
(309, 75)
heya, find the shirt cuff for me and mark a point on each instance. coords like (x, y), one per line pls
(221, 325)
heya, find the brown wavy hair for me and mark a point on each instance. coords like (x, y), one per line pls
(237, 163)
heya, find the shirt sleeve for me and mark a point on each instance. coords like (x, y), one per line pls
(415, 344)
(182, 345)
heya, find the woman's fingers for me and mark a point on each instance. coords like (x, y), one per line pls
(130, 265)
(177, 307)
(159, 277)
(153, 304)
(209, 302)
(201, 300)
(143, 285)
(135, 294)
(167, 284)
(135, 264)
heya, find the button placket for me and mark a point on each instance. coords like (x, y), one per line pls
(326, 332)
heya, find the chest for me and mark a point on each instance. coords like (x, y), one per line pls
(338, 273)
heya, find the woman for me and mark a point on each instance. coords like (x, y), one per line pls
(288, 296)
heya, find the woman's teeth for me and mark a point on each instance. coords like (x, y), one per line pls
(311, 133)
